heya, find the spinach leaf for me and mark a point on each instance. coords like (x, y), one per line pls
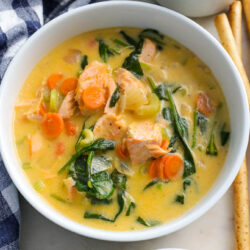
(153, 35)
(128, 39)
(172, 141)
(99, 164)
(166, 113)
(147, 223)
(80, 137)
(121, 43)
(151, 82)
(180, 126)
(89, 215)
(95, 201)
(115, 97)
(160, 91)
(179, 199)
(104, 51)
(84, 62)
(211, 147)
(132, 64)
(194, 128)
(150, 184)
(100, 144)
(58, 198)
(186, 183)
(130, 208)
(224, 135)
(202, 122)
(119, 180)
(102, 185)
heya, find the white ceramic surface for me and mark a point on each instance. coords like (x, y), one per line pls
(196, 8)
(126, 14)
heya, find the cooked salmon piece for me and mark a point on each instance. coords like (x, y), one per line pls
(110, 126)
(143, 141)
(70, 186)
(148, 51)
(68, 105)
(95, 74)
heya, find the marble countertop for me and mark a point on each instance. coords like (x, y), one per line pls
(214, 230)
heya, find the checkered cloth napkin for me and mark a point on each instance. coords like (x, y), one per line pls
(19, 19)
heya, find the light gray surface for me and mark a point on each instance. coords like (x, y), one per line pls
(214, 230)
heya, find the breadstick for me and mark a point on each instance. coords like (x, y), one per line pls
(241, 207)
(227, 40)
(246, 6)
(235, 14)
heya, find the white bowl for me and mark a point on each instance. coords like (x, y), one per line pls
(196, 8)
(108, 14)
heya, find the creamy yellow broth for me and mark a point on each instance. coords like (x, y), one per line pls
(174, 64)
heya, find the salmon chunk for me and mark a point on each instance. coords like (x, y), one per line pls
(95, 74)
(143, 141)
(70, 186)
(148, 51)
(110, 126)
(68, 105)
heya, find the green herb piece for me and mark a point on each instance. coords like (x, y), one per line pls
(119, 180)
(166, 113)
(89, 215)
(172, 141)
(115, 97)
(58, 198)
(211, 147)
(84, 62)
(121, 43)
(95, 201)
(128, 39)
(224, 135)
(164, 133)
(89, 162)
(147, 223)
(153, 35)
(130, 208)
(160, 91)
(26, 165)
(181, 128)
(179, 199)
(132, 64)
(104, 51)
(100, 144)
(54, 100)
(151, 82)
(150, 184)
(39, 185)
(186, 183)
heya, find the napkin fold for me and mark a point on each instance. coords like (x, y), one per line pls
(19, 19)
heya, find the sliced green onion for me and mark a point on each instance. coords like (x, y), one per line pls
(38, 185)
(54, 100)
(88, 138)
(26, 165)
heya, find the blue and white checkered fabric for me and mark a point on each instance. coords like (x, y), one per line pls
(19, 19)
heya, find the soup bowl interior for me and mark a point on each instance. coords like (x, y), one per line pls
(132, 14)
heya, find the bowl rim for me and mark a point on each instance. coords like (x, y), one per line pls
(127, 236)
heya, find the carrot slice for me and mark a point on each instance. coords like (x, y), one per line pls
(68, 85)
(165, 144)
(160, 168)
(173, 166)
(53, 80)
(60, 148)
(120, 152)
(152, 170)
(93, 97)
(203, 104)
(71, 128)
(52, 125)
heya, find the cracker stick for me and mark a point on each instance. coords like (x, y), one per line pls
(235, 14)
(241, 207)
(227, 40)
(246, 6)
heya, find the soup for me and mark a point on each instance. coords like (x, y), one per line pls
(121, 129)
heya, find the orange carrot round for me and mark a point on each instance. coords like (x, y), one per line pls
(152, 170)
(160, 164)
(52, 125)
(71, 128)
(60, 148)
(120, 152)
(53, 80)
(68, 85)
(203, 104)
(93, 97)
(165, 144)
(173, 166)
